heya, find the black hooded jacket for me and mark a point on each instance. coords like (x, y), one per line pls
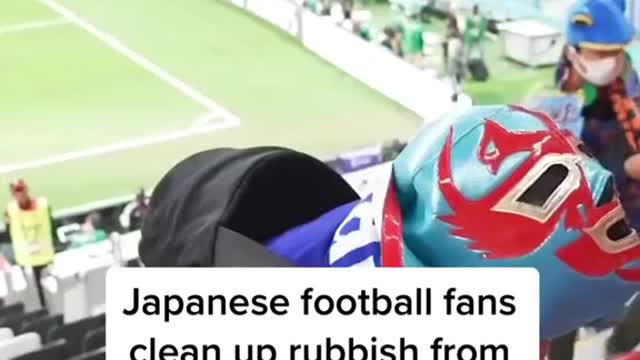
(217, 207)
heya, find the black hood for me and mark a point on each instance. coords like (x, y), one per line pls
(217, 207)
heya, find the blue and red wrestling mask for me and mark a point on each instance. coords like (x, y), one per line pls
(502, 186)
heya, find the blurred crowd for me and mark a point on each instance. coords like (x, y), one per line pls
(459, 51)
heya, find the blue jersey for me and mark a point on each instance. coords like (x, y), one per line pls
(565, 110)
(344, 237)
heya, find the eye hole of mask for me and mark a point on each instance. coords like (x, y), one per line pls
(539, 192)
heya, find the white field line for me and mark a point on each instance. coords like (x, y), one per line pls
(119, 146)
(32, 25)
(199, 126)
(157, 71)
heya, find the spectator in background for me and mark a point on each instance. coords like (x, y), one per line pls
(455, 65)
(316, 6)
(347, 8)
(392, 149)
(134, 213)
(474, 31)
(91, 222)
(393, 40)
(79, 235)
(92, 231)
(413, 43)
(363, 30)
(31, 229)
(452, 32)
(361, 20)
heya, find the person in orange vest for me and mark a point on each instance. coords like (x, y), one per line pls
(30, 227)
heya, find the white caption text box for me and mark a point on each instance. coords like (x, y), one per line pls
(216, 336)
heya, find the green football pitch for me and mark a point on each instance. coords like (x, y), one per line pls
(100, 97)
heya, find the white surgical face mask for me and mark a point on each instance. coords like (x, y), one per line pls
(600, 72)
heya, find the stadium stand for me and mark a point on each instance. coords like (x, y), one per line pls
(72, 328)
(37, 335)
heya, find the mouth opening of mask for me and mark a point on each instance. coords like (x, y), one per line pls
(619, 230)
(613, 233)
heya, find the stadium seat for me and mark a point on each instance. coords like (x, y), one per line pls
(94, 355)
(75, 297)
(20, 345)
(15, 321)
(58, 350)
(13, 285)
(5, 334)
(95, 284)
(42, 326)
(16, 308)
(94, 340)
(74, 332)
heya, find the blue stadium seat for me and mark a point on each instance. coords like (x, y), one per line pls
(58, 350)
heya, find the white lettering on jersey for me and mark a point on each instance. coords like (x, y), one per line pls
(355, 232)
